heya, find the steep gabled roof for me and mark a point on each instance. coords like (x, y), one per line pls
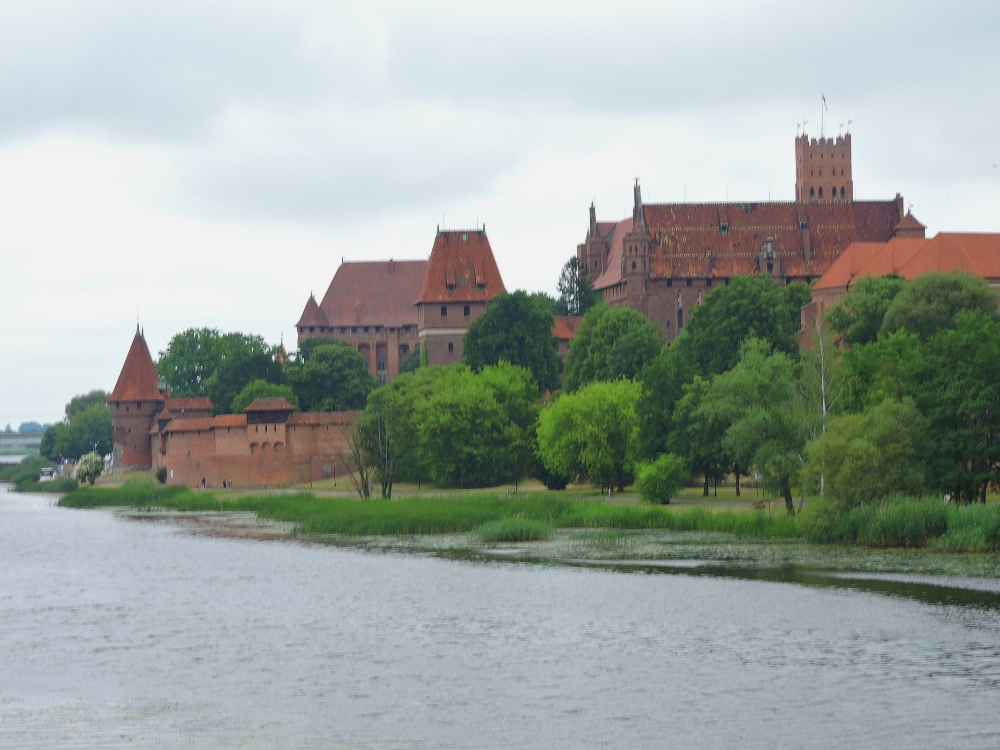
(614, 237)
(312, 315)
(977, 254)
(461, 269)
(139, 379)
(910, 227)
(373, 293)
(847, 267)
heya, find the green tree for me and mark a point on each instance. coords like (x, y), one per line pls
(935, 300)
(192, 357)
(79, 434)
(760, 400)
(388, 435)
(244, 360)
(83, 401)
(611, 344)
(747, 307)
(858, 316)
(334, 378)
(89, 467)
(576, 294)
(955, 381)
(659, 480)
(592, 434)
(700, 435)
(262, 389)
(865, 458)
(663, 381)
(307, 347)
(412, 361)
(515, 328)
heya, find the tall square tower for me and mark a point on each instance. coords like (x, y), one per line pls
(823, 169)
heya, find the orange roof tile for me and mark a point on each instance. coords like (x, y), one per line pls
(270, 404)
(461, 269)
(323, 417)
(231, 420)
(565, 326)
(843, 270)
(189, 403)
(891, 256)
(978, 254)
(614, 238)
(312, 315)
(139, 379)
(191, 425)
(373, 293)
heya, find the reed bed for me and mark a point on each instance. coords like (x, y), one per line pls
(514, 530)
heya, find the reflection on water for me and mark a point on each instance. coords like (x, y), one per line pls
(116, 633)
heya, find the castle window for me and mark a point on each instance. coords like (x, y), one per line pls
(467, 311)
(633, 265)
(841, 172)
(821, 193)
(812, 172)
(680, 318)
(708, 282)
(689, 282)
(138, 405)
(312, 329)
(842, 193)
(343, 330)
(366, 329)
(812, 194)
(451, 348)
(670, 282)
(480, 287)
(444, 311)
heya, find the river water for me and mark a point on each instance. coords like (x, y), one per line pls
(121, 633)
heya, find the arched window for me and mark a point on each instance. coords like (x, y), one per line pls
(812, 194)
(821, 193)
(451, 348)
(834, 196)
(841, 193)
(680, 318)
(633, 265)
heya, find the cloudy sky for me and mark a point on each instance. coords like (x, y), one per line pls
(210, 163)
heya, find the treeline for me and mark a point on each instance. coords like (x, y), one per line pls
(86, 427)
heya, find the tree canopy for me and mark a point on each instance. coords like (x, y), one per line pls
(576, 295)
(935, 300)
(78, 434)
(515, 328)
(262, 389)
(611, 344)
(858, 315)
(84, 401)
(245, 359)
(334, 378)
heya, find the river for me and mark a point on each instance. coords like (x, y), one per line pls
(123, 633)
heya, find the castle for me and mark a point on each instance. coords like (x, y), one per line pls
(666, 257)
(387, 309)
(269, 444)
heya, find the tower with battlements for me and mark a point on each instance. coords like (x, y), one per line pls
(823, 169)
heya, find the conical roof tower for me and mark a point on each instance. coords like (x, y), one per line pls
(139, 379)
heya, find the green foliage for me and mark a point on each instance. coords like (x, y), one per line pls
(307, 347)
(592, 434)
(747, 307)
(262, 389)
(191, 358)
(87, 427)
(334, 378)
(84, 401)
(699, 435)
(611, 344)
(241, 359)
(161, 474)
(32, 427)
(30, 467)
(514, 530)
(759, 400)
(934, 301)
(658, 481)
(862, 459)
(576, 294)
(859, 314)
(893, 522)
(412, 361)
(663, 383)
(89, 467)
(515, 328)
(54, 486)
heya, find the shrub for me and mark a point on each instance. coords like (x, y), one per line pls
(514, 530)
(89, 468)
(161, 474)
(657, 481)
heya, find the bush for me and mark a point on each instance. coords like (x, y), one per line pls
(89, 468)
(161, 474)
(514, 530)
(657, 481)
(58, 485)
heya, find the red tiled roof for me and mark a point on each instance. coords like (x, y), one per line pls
(565, 327)
(373, 293)
(461, 269)
(138, 379)
(165, 415)
(270, 404)
(323, 417)
(190, 403)
(207, 423)
(614, 238)
(231, 420)
(910, 227)
(312, 315)
(891, 256)
(843, 270)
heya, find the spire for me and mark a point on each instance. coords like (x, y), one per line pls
(312, 315)
(638, 216)
(139, 379)
(593, 220)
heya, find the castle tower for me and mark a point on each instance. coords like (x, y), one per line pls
(592, 255)
(635, 258)
(134, 403)
(823, 169)
(461, 279)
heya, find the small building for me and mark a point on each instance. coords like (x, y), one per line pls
(564, 331)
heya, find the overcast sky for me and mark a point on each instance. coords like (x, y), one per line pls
(210, 163)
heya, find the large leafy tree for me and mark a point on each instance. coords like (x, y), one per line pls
(334, 378)
(863, 458)
(78, 434)
(84, 401)
(576, 294)
(592, 434)
(611, 344)
(246, 359)
(760, 401)
(262, 389)
(663, 382)
(935, 300)
(516, 328)
(700, 435)
(192, 357)
(858, 316)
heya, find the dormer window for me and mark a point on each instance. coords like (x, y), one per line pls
(480, 287)
(450, 287)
